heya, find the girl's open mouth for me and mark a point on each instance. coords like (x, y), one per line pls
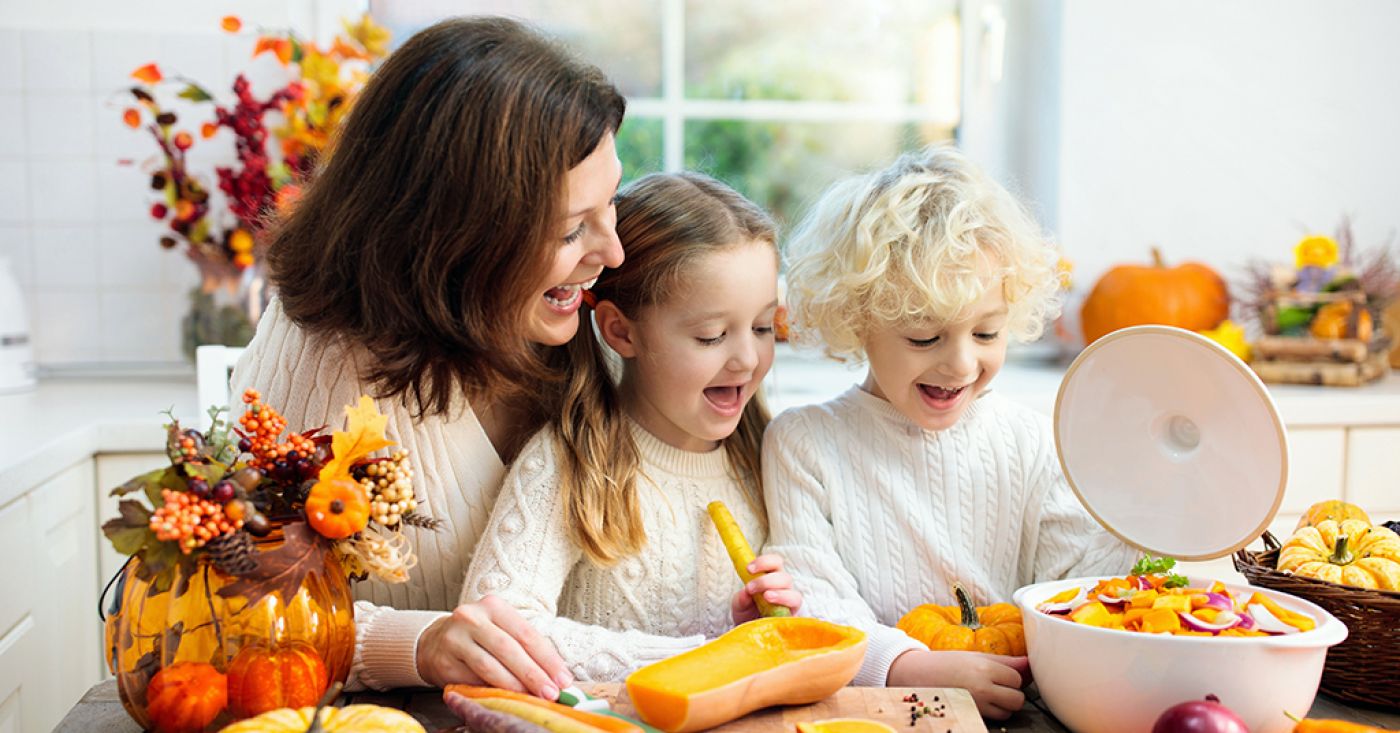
(940, 398)
(727, 400)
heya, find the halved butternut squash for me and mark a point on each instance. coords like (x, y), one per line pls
(768, 661)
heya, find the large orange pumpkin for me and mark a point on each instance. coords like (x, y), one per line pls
(262, 678)
(1190, 296)
(994, 629)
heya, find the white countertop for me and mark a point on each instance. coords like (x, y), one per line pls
(64, 421)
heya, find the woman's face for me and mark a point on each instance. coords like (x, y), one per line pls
(586, 242)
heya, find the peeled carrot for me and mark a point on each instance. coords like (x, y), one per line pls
(740, 553)
(605, 723)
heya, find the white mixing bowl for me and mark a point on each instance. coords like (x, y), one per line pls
(1098, 680)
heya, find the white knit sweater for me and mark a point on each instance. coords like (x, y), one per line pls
(609, 621)
(875, 515)
(458, 474)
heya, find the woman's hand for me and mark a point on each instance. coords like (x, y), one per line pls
(488, 642)
(775, 585)
(994, 680)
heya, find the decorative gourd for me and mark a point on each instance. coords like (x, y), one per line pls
(768, 661)
(262, 678)
(1333, 509)
(994, 629)
(1348, 553)
(1190, 296)
(337, 508)
(1332, 319)
(349, 719)
(185, 697)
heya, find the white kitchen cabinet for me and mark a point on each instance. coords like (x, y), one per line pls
(64, 595)
(20, 706)
(1373, 471)
(113, 470)
(1316, 465)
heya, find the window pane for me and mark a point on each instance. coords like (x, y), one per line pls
(882, 51)
(623, 37)
(639, 147)
(783, 167)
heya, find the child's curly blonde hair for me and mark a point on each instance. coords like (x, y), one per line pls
(919, 242)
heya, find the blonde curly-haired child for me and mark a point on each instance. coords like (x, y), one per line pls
(920, 475)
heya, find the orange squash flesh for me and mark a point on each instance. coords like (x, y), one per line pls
(768, 661)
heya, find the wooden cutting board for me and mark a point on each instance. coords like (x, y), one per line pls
(874, 703)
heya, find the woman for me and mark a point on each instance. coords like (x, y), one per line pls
(435, 259)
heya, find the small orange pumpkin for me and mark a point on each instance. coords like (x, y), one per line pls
(1333, 322)
(1190, 296)
(994, 629)
(185, 697)
(1333, 509)
(262, 678)
(337, 508)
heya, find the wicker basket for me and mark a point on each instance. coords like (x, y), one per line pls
(1366, 667)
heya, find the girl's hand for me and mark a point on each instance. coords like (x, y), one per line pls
(490, 643)
(774, 584)
(994, 680)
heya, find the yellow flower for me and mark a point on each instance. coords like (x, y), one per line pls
(1231, 336)
(372, 37)
(1315, 250)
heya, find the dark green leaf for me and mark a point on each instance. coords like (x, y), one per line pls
(210, 472)
(1149, 565)
(130, 531)
(194, 93)
(140, 483)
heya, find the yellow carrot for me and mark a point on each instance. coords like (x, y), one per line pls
(543, 717)
(740, 553)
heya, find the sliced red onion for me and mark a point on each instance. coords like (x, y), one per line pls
(1108, 600)
(1144, 583)
(1226, 620)
(1219, 602)
(1246, 622)
(1058, 608)
(1266, 621)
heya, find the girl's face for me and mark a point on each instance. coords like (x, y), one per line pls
(932, 374)
(694, 361)
(587, 243)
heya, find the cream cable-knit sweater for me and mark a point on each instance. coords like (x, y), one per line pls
(875, 515)
(458, 475)
(609, 621)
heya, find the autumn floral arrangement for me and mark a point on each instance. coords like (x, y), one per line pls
(237, 592)
(277, 140)
(1320, 318)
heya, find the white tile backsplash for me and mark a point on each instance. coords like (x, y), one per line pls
(66, 326)
(115, 54)
(137, 327)
(130, 255)
(116, 141)
(57, 61)
(199, 57)
(61, 123)
(12, 60)
(14, 192)
(12, 135)
(14, 244)
(123, 192)
(62, 190)
(65, 256)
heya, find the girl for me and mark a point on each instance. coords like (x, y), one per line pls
(920, 476)
(600, 537)
(438, 254)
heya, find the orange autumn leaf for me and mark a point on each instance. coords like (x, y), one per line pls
(264, 44)
(283, 48)
(150, 74)
(131, 117)
(231, 23)
(208, 130)
(344, 50)
(363, 435)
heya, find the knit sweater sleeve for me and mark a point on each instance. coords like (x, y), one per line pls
(311, 385)
(526, 557)
(1070, 542)
(800, 530)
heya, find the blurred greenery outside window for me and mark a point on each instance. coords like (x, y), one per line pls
(777, 98)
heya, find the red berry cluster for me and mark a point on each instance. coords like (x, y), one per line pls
(249, 188)
(262, 425)
(190, 520)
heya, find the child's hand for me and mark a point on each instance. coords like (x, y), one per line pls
(774, 584)
(994, 680)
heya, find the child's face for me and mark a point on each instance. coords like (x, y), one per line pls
(932, 374)
(701, 355)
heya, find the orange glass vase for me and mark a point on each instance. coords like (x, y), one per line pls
(187, 659)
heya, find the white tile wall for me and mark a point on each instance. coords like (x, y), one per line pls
(74, 185)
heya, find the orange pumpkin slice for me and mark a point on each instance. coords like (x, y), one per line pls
(844, 725)
(769, 661)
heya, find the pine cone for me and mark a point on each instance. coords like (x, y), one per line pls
(233, 553)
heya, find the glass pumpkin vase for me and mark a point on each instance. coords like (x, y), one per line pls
(214, 648)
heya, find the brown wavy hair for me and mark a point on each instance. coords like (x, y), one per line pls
(433, 220)
(666, 221)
